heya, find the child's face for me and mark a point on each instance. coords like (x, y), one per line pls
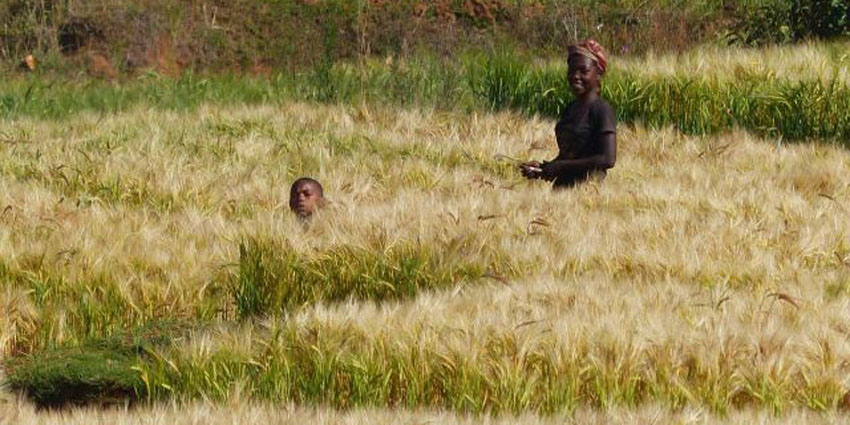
(583, 75)
(304, 199)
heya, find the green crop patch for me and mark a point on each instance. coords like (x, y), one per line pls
(272, 279)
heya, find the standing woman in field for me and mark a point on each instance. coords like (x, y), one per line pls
(587, 130)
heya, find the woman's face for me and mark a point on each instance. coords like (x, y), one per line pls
(583, 75)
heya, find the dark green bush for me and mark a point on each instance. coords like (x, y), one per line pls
(781, 21)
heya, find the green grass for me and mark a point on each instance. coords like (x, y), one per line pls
(272, 280)
(342, 367)
(99, 363)
(76, 376)
(100, 371)
(767, 105)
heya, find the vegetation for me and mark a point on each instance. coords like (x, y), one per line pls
(783, 21)
(255, 36)
(101, 371)
(794, 107)
(76, 376)
(290, 414)
(618, 301)
(708, 273)
(271, 279)
(802, 109)
(120, 36)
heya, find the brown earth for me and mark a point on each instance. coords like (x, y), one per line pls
(99, 65)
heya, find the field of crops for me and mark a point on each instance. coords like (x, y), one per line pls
(147, 252)
(792, 93)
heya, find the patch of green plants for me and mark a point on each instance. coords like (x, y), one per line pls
(800, 109)
(76, 376)
(99, 371)
(795, 110)
(271, 279)
(784, 21)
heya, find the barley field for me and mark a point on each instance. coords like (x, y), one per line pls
(247, 413)
(148, 255)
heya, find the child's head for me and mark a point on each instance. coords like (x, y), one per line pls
(587, 66)
(306, 196)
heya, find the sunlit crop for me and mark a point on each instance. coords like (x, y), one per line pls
(705, 279)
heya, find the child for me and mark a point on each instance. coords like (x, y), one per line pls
(587, 130)
(306, 196)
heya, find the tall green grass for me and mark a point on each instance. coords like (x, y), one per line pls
(339, 366)
(425, 81)
(802, 109)
(771, 106)
(271, 279)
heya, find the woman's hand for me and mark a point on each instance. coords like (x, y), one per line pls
(531, 169)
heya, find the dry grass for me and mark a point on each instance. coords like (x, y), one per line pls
(714, 270)
(248, 413)
(827, 61)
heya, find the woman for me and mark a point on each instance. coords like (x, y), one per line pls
(587, 130)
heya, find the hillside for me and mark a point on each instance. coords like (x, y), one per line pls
(120, 37)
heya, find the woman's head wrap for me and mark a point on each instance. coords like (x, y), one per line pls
(593, 51)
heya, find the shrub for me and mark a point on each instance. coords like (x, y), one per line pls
(792, 20)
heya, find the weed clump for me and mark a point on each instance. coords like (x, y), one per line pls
(99, 371)
(76, 376)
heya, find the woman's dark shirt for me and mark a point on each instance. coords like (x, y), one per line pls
(579, 132)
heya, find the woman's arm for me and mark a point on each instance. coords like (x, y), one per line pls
(602, 161)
